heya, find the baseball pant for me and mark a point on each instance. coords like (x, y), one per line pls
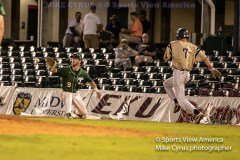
(130, 38)
(175, 88)
(76, 100)
(91, 41)
(69, 40)
(142, 58)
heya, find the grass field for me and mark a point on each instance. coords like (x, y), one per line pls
(73, 139)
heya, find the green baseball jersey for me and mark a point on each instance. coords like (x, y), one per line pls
(2, 11)
(71, 78)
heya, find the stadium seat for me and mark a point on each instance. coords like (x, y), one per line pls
(28, 66)
(4, 53)
(157, 83)
(142, 76)
(18, 72)
(145, 83)
(155, 76)
(151, 69)
(161, 64)
(100, 62)
(25, 54)
(135, 89)
(109, 56)
(164, 70)
(5, 71)
(4, 59)
(205, 92)
(88, 62)
(26, 60)
(139, 69)
(118, 82)
(98, 56)
(131, 82)
(4, 78)
(129, 75)
(4, 66)
(15, 66)
(115, 75)
(37, 54)
(16, 79)
(220, 93)
(166, 76)
(234, 93)
(105, 81)
(14, 60)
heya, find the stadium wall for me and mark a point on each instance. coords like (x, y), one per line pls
(180, 17)
(133, 106)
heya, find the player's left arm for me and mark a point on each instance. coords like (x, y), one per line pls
(200, 56)
(94, 87)
(91, 83)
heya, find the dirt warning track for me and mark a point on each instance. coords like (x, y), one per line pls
(17, 125)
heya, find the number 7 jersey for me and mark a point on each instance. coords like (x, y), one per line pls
(183, 55)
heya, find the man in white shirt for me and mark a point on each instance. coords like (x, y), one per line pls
(73, 34)
(91, 24)
(123, 54)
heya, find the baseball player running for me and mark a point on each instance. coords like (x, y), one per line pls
(183, 55)
(70, 79)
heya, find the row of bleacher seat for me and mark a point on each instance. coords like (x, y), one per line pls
(18, 67)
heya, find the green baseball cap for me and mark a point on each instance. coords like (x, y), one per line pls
(76, 55)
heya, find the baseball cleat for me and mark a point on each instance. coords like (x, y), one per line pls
(198, 118)
(117, 117)
(176, 108)
(79, 115)
(68, 116)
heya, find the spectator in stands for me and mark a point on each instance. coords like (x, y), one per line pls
(145, 23)
(133, 35)
(114, 26)
(123, 55)
(145, 50)
(105, 38)
(2, 13)
(91, 24)
(73, 34)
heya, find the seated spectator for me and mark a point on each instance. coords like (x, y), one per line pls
(123, 55)
(114, 26)
(134, 34)
(105, 38)
(146, 51)
(73, 34)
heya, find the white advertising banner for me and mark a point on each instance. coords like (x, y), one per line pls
(6, 93)
(158, 107)
(37, 101)
(127, 105)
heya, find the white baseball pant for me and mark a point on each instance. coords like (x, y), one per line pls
(175, 88)
(76, 100)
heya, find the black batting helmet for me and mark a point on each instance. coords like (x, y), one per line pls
(182, 33)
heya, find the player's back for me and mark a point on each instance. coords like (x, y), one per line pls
(182, 54)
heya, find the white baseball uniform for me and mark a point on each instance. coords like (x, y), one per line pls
(76, 100)
(183, 56)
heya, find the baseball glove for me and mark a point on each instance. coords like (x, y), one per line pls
(215, 73)
(51, 63)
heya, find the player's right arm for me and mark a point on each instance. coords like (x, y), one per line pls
(168, 53)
